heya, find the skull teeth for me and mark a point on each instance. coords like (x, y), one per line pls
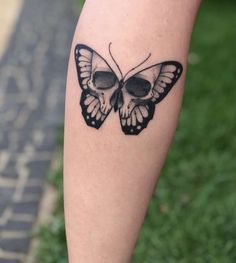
(129, 121)
(123, 122)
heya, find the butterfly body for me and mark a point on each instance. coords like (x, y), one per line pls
(134, 97)
(117, 100)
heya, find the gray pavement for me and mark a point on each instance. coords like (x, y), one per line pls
(32, 87)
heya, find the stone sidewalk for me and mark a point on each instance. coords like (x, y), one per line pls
(32, 87)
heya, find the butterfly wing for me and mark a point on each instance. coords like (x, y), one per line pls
(98, 83)
(138, 118)
(170, 72)
(142, 91)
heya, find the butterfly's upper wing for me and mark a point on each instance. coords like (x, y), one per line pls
(142, 91)
(169, 74)
(98, 83)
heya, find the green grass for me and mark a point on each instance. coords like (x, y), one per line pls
(192, 216)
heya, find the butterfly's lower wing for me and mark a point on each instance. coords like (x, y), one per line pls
(91, 110)
(161, 77)
(98, 82)
(138, 118)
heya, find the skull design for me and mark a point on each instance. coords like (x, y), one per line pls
(135, 90)
(138, 89)
(103, 82)
(134, 94)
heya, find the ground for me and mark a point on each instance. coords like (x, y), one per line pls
(32, 86)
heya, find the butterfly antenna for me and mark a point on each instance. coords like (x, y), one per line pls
(115, 60)
(139, 64)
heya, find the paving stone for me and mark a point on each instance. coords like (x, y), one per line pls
(6, 194)
(34, 118)
(25, 207)
(4, 140)
(23, 139)
(15, 244)
(48, 142)
(12, 107)
(12, 86)
(36, 190)
(3, 206)
(14, 225)
(10, 171)
(38, 168)
(4, 260)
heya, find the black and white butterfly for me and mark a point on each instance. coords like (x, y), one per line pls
(134, 95)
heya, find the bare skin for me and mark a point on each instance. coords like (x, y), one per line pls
(109, 177)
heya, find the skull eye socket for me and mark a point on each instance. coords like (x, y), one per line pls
(104, 79)
(138, 87)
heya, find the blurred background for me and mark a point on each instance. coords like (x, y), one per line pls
(192, 216)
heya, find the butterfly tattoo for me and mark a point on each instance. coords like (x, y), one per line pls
(133, 96)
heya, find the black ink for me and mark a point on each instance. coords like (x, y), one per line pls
(134, 96)
(117, 100)
(104, 80)
(138, 87)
